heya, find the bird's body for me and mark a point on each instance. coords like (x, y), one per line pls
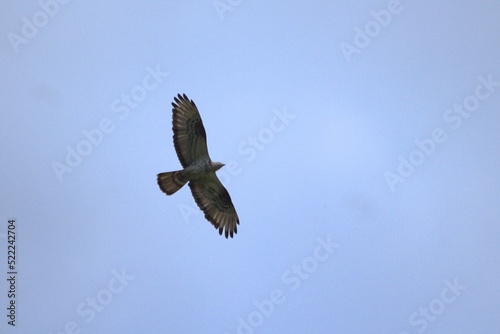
(198, 169)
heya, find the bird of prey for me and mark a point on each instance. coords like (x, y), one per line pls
(190, 143)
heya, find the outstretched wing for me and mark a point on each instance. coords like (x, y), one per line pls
(190, 139)
(214, 200)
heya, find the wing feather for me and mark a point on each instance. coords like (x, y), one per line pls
(214, 200)
(190, 139)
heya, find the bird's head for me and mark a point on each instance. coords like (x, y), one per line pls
(217, 165)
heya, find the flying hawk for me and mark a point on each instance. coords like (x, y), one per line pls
(190, 141)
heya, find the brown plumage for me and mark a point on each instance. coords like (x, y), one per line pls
(190, 141)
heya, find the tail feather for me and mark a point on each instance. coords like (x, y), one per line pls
(170, 182)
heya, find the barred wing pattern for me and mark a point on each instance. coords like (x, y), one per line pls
(214, 200)
(190, 139)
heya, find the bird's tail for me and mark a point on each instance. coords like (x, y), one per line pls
(170, 182)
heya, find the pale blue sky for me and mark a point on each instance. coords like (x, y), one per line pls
(361, 142)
